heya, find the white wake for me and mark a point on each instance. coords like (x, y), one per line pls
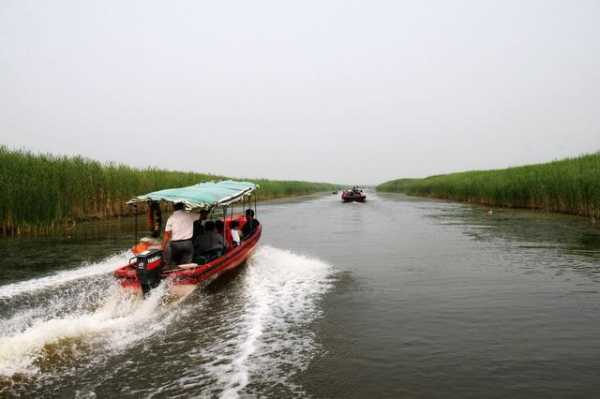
(282, 292)
(105, 266)
(119, 321)
(264, 340)
(74, 309)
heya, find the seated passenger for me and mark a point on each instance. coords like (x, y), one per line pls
(209, 241)
(235, 233)
(198, 224)
(216, 239)
(201, 241)
(219, 226)
(250, 226)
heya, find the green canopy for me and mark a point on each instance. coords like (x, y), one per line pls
(202, 195)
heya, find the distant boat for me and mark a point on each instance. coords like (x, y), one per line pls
(354, 195)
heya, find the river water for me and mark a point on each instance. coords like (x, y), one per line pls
(397, 297)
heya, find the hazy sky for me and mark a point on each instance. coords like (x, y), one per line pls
(342, 91)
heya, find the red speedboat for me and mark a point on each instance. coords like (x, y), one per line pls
(146, 270)
(355, 194)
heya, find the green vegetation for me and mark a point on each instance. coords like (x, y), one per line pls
(271, 189)
(40, 193)
(567, 186)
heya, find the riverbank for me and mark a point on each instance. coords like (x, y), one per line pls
(566, 186)
(42, 193)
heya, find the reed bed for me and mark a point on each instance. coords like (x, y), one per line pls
(41, 193)
(568, 186)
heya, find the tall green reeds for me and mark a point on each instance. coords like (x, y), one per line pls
(567, 186)
(39, 193)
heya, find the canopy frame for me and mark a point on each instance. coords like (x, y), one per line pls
(202, 196)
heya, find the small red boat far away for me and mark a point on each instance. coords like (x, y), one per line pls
(355, 194)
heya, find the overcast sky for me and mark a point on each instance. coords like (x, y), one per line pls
(341, 91)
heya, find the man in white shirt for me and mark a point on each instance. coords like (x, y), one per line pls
(177, 240)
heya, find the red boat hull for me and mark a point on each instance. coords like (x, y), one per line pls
(182, 281)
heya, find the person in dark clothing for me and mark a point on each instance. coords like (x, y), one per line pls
(250, 226)
(216, 239)
(198, 225)
(219, 226)
(209, 241)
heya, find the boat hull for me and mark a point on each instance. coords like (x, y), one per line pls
(182, 281)
(354, 197)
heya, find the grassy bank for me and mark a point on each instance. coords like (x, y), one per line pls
(567, 186)
(41, 193)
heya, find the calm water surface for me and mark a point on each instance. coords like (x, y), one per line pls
(397, 297)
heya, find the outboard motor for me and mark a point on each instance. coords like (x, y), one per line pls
(148, 265)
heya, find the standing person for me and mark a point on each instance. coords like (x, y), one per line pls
(250, 226)
(177, 240)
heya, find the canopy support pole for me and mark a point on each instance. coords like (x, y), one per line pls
(136, 223)
(224, 228)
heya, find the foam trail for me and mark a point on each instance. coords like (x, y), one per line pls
(105, 266)
(113, 323)
(282, 291)
(240, 373)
